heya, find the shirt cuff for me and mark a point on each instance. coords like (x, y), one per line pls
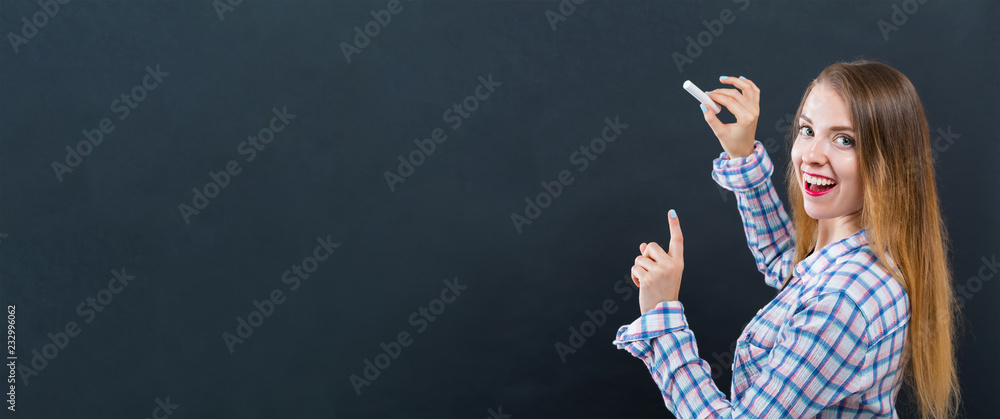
(745, 173)
(666, 317)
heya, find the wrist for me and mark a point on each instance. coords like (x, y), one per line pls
(740, 154)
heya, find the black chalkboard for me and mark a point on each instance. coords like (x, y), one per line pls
(228, 209)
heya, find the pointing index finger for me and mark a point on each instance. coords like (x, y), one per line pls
(676, 235)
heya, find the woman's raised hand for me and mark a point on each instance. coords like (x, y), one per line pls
(656, 272)
(737, 138)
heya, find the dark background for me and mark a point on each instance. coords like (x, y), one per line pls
(493, 348)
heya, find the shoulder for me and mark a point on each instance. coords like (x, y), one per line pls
(857, 277)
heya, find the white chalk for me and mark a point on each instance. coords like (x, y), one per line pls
(700, 95)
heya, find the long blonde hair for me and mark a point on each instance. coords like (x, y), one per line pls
(901, 215)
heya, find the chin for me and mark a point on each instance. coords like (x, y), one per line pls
(819, 214)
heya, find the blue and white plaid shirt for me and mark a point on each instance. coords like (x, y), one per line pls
(830, 344)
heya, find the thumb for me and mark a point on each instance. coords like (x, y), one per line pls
(712, 119)
(642, 249)
(676, 236)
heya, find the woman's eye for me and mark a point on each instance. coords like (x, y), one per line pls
(844, 141)
(804, 130)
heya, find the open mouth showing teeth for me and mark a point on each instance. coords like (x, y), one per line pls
(818, 184)
(818, 188)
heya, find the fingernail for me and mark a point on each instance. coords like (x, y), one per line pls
(672, 213)
(723, 77)
(703, 108)
(709, 91)
(744, 78)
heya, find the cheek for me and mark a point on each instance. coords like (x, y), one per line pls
(847, 167)
(859, 189)
(796, 153)
(796, 157)
(850, 172)
(857, 197)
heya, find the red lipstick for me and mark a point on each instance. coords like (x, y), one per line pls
(817, 190)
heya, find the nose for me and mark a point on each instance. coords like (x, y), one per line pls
(815, 153)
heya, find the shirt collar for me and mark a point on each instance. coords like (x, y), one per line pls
(818, 261)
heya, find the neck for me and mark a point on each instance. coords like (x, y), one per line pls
(836, 229)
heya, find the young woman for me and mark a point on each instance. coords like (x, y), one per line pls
(864, 295)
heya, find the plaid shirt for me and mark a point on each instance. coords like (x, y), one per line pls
(829, 344)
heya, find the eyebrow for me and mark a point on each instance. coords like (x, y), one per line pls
(838, 128)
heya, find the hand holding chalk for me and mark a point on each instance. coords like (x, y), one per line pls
(700, 95)
(737, 138)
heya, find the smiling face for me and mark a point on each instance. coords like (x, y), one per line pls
(826, 158)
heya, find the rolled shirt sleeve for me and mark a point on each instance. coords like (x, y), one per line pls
(820, 357)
